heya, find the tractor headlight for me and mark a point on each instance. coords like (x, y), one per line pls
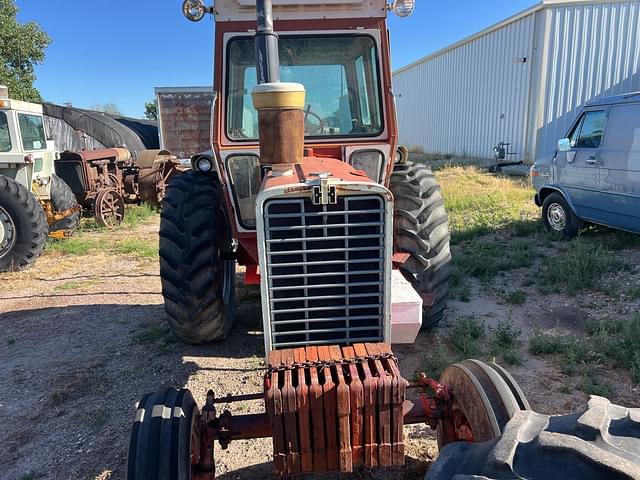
(403, 8)
(369, 161)
(203, 164)
(193, 10)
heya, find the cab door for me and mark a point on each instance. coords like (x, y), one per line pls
(578, 169)
(619, 162)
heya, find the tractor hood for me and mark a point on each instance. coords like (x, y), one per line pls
(303, 176)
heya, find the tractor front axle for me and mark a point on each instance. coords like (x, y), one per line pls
(327, 409)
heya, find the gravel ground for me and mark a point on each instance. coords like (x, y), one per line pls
(83, 337)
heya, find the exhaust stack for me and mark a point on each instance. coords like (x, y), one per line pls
(280, 105)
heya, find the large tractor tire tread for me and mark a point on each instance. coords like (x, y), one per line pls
(600, 441)
(190, 264)
(63, 199)
(29, 226)
(421, 229)
(159, 447)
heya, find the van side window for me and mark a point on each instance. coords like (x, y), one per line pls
(623, 129)
(5, 139)
(592, 130)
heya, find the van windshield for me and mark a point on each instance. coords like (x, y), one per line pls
(340, 75)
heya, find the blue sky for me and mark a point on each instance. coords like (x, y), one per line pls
(117, 51)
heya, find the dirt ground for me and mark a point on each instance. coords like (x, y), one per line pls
(83, 337)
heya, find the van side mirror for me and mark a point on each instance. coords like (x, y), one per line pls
(564, 145)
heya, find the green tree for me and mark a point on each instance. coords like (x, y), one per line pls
(151, 110)
(22, 47)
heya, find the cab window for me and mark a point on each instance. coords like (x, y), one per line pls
(32, 132)
(340, 76)
(5, 138)
(591, 131)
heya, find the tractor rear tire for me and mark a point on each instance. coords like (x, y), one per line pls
(483, 402)
(421, 229)
(23, 226)
(600, 441)
(196, 264)
(161, 436)
(62, 199)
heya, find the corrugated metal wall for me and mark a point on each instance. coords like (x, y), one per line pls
(467, 99)
(592, 50)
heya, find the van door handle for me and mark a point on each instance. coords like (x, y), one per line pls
(593, 159)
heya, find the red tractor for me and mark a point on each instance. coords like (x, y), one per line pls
(306, 188)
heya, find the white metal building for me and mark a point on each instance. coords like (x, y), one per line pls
(521, 81)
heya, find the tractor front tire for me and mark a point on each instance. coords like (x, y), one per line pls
(162, 437)
(421, 229)
(63, 199)
(600, 441)
(197, 268)
(23, 226)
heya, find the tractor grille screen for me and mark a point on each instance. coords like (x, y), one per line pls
(325, 267)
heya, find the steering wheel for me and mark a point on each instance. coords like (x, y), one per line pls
(314, 128)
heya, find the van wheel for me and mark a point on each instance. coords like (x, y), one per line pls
(558, 217)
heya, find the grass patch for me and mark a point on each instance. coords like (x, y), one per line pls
(137, 247)
(581, 265)
(27, 476)
(504, 342)
(607, 342)
(470, 338)
(479, 203)
(485, 258)
(76, 245)
(459, 287)
(156, 334)
(139, 214)
(466, 335)
(517, 297)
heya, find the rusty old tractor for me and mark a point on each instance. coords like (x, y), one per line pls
(305, 189)
(104, 180)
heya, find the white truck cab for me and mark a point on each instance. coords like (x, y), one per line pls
(25, 153)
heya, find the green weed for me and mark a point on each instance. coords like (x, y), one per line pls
(137, 247)
(466, 336)
(138, 214)
(484, 258)
(504, 342)
(580, 266)
(76, 245)
(517, 297)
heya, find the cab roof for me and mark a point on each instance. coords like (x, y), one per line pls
(615, 100)
(245, 10)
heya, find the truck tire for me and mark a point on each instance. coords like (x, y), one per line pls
(421, 229)
(23, 226)
(197, 268)
(161, 436)
(600, 441)
(62, 199)
(558, 217)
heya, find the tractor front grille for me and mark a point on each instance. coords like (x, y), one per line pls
(325, 270)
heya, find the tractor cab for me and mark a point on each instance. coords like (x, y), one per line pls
(305, 191)
(26, 154)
